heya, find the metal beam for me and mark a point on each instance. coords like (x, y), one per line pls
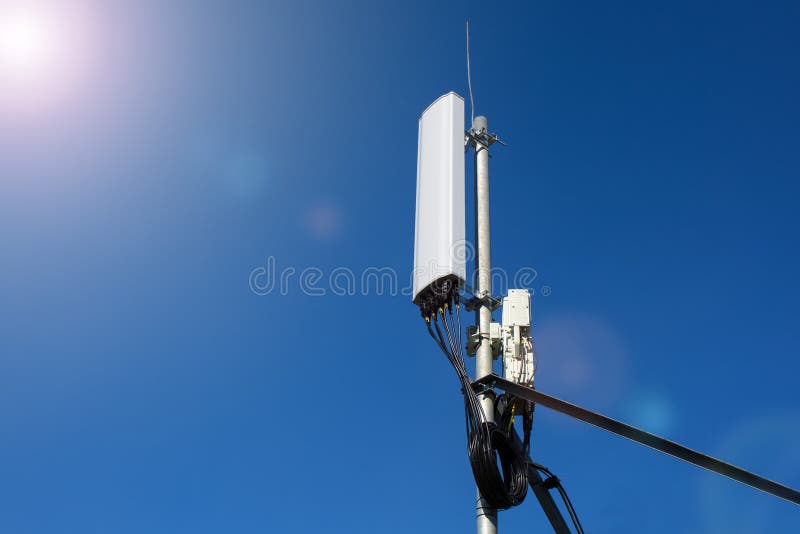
(547, 502)
(543, 494)
(640, 436)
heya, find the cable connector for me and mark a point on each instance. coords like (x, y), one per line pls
(551, 482)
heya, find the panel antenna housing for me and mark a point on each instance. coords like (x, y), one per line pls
(439, 238)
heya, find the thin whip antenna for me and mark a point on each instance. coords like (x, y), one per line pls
(469, 83)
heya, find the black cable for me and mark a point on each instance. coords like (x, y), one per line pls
(527, 426)
(488, 443)
(552, 481)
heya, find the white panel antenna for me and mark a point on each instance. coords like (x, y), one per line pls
(439, 236)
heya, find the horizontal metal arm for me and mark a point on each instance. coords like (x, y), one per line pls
(640, 436)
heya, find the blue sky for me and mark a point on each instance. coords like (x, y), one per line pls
(650, 179)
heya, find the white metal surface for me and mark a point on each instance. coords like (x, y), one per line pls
(439, 237)
(518, 352)
(517, 307)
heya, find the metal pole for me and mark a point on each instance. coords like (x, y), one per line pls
(486, 517)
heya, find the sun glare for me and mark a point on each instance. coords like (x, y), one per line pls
(26, 47)
(43, 56)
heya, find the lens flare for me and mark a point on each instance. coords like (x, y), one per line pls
(26, 46)
(44, 57)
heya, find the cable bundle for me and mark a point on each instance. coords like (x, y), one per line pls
(502, 486)
(506, 485)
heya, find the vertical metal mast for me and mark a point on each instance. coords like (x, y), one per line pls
(481, 140)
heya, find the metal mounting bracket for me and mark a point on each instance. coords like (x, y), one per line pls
(481, 139)
(476, 302)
